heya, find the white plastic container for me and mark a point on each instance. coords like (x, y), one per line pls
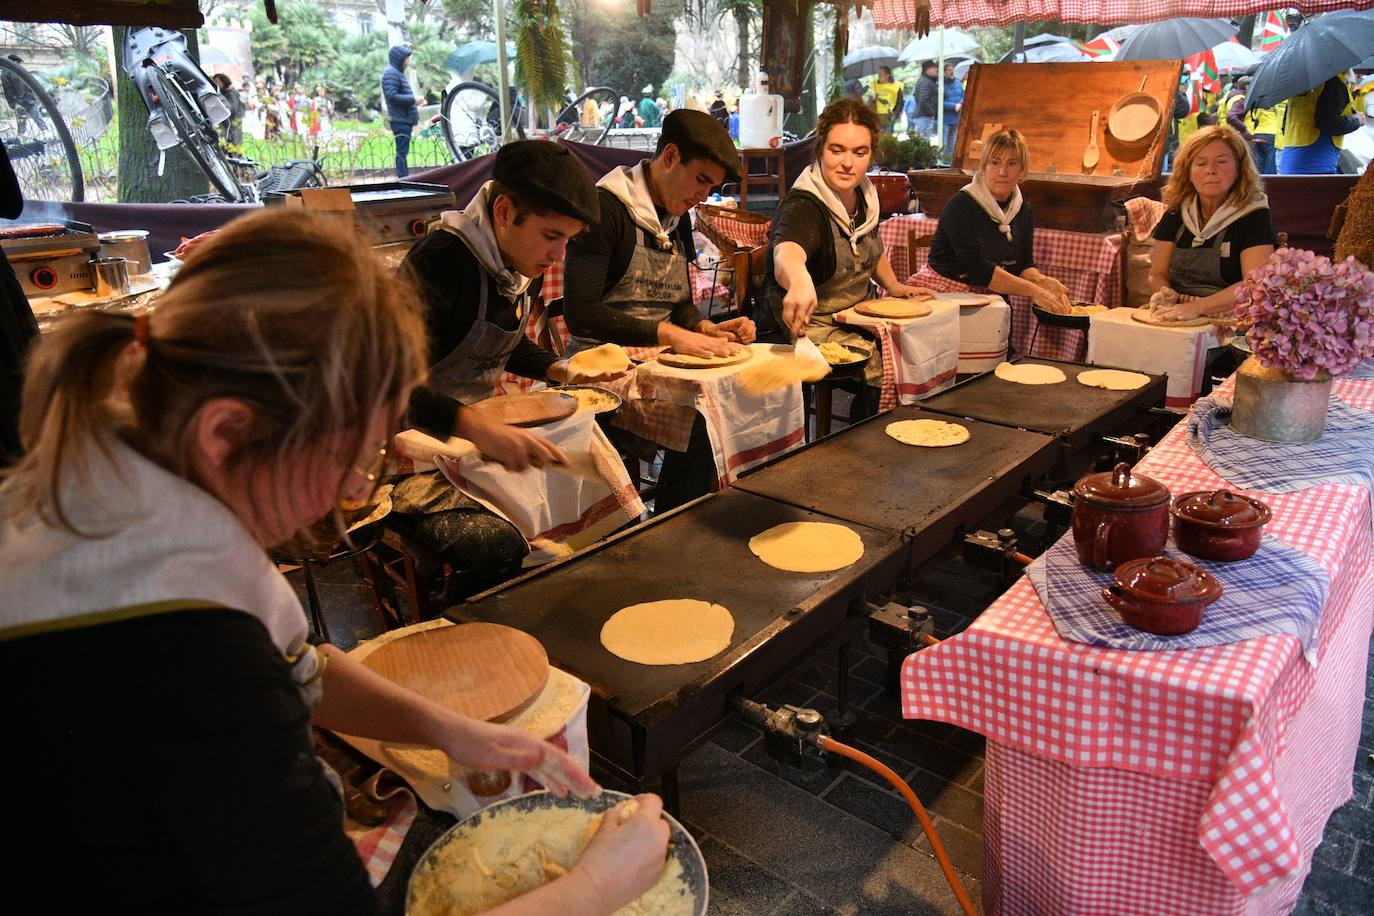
(760, 121)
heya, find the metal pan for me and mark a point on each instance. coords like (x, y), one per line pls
(681, 845)
(610, 409)
(854, 369)
(1049, 319)
(1135, 117)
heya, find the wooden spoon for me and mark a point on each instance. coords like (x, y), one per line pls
(1090, 155)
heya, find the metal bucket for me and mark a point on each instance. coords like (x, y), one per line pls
(129, 244)
(1275, 407)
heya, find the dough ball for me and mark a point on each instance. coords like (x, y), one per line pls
(607, 359)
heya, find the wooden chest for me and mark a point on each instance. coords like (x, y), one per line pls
(1052, 105)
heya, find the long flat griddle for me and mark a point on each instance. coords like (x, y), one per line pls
(701, 551)
(1077, 414)
(863, 475)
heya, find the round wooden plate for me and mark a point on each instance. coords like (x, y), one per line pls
(893, 308)
(966, 300)
(680, 361)
(1145, 316)
(529, 408)
(483, 670)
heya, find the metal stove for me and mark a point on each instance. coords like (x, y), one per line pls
(51, 257)
(395, 212)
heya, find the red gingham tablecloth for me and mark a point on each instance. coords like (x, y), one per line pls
(900, 14)
(1250, 740)
(1089, 264)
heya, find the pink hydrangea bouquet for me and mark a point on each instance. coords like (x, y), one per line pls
(1307, 314)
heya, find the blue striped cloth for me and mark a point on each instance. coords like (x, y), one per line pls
(1344, 453)
(1278, 590)
(1361, 373)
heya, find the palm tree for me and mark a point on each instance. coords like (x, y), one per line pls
(745, 13)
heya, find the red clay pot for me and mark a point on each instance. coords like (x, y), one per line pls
(1161, 595)
(1119, 516)
(1218, 525)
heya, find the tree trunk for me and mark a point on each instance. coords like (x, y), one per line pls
(139, 181)
(742, 24)
(801, 122)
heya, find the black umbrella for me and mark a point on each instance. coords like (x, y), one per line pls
(1318, 50)
(1175, 38)
(866, 61)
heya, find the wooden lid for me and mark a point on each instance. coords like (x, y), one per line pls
(530, 408)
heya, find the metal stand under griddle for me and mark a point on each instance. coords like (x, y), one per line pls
(643, 719)
(928, 495)
(1076, 414)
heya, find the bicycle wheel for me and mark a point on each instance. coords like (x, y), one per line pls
(585, 123)
(471, 120)
(39, 144)
(197, 136)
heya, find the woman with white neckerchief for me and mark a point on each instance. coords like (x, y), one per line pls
(1217, 230)
(826, 253)
(985, 232)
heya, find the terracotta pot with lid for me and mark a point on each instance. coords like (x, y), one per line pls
(1218, 525)
(1119, 516)
(1162, 595)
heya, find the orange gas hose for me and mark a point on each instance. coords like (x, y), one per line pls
(826, 743)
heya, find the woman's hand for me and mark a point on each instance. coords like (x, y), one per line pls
(694, 343)
(902, 291)
(1180, 311)
(486, 746)
(1050, 301)
(741, 330)
(1163, 298)
(798, 304)
(628, 852)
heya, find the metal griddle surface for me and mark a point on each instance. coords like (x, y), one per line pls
(864, 475)
(701, 552)
(1078, 413)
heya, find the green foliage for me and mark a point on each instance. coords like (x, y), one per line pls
(303, 39)
(542, 59)
(903, 155)
(629, 52)
(354, 75)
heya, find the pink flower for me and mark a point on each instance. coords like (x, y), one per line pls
(1308, 314)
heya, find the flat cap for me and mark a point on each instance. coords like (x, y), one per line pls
(550, 176)
(697, 128)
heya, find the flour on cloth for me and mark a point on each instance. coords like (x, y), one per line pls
(1279, 590)
(1344, 453)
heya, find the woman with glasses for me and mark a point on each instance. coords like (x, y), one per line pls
(155, 663)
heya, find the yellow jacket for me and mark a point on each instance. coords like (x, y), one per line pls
(1266, 120)
(1300, 123)
(885, 97)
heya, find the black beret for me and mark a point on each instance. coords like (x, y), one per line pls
(699, 129)
(549, 176)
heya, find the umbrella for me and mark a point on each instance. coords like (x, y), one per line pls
(1040, 49)
(866, 61)
(1175, 38)
(463, 60)
(211, 56)
(928, 48)
(1317, 51)
(1232, 55)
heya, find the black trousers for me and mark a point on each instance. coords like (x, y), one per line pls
(402, 134)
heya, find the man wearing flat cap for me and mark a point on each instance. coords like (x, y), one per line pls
(627, 280)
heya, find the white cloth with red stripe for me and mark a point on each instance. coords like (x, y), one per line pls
(920, 355)
(1116, 339)
(556, 512)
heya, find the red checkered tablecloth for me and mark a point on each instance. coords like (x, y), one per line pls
(1218, 765)
(900, 14)
(1089, 264)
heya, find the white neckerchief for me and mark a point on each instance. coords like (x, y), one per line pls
(813, 182)
(630, 185)
(978, 189)
(473, 225)
(1226, 214)
(156, 538)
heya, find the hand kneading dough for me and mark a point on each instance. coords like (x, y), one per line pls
(607, 359)
(1029, 374)
(678, 631)
(1113, 379)
(808, 546)
(931, 433)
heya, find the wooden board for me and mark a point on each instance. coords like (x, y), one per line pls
(966, 300)
(484, 670)
(891, 308)
(678, 361)
(1145, 316)
(530, 408)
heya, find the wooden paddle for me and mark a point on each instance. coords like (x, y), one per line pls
(1091, 155)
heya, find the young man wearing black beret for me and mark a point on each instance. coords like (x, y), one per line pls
(626, 280)
(477, 272)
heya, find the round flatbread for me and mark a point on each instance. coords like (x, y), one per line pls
(894, 308)
(1113, 379)
(1147, 316)
(607, 359)
(928, 433)
(1029, 374)
(966, 300)
(808, 547)
(677, 631)
(683, 361)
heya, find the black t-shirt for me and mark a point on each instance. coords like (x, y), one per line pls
(803, 219)
(968, 246)
(167, 767)
(597, 260)
(1252, 229)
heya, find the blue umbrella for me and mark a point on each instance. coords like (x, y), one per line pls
(1317, 51)
(463, 60)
